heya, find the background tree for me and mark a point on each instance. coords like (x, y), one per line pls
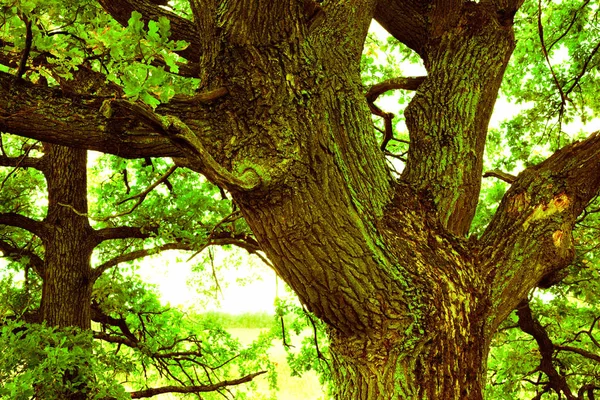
(64, 288)
(281, 121)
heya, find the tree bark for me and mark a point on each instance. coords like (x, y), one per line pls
(67, 281)
(67, 288)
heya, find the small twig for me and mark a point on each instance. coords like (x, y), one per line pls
(142, 195)
(285, 343)
(21, 159)
(229, 218)
(504, 176)
(126, 181)
(214, 273)
(27, 50)
(563, 96)
(314, 326)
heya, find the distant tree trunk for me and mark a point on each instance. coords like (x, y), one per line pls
(67, 288)
(67, 280)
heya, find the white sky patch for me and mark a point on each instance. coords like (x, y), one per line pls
(249, 286)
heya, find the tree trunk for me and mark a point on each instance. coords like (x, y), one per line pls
(385, 265)
(67, 280)
(67, 288)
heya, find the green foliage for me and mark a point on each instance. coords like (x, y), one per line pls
(35, 361)
(548, 121)
(313, 353)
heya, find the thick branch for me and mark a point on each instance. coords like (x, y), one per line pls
(581, 352)
(193, 389)
(205, 18)
(74, 120)
(405, 20)
(531, 233)
(25, 162)
(98, 316)
(183, 137)
(20, 221)
(410, 83)
(181, 28)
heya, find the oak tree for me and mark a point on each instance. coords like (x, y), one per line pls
(265, 99)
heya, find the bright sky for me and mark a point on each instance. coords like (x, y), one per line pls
(246, 283)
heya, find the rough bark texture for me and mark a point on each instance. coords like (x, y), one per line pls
(67, 290)
(410, 302)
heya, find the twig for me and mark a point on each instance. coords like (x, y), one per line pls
(214, 273)
(28, 42)
(504, 176)
(563, 96)
(142, 196)
(229, 218)
(193, 389)
(21, 160)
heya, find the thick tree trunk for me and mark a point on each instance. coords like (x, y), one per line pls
(384, 265)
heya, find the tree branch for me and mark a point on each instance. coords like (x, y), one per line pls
(530, 235)
(14, 252)
(581, 352)
(375, 91)
(99, 316)
(205, 19)
(28, 41)
(23, 222)
(193, 389)
(183, 137)
(75, 120)
(532, 326)
(405, 20)
(496, 173)
(140, 197)
(25, 162)
(405, 83)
